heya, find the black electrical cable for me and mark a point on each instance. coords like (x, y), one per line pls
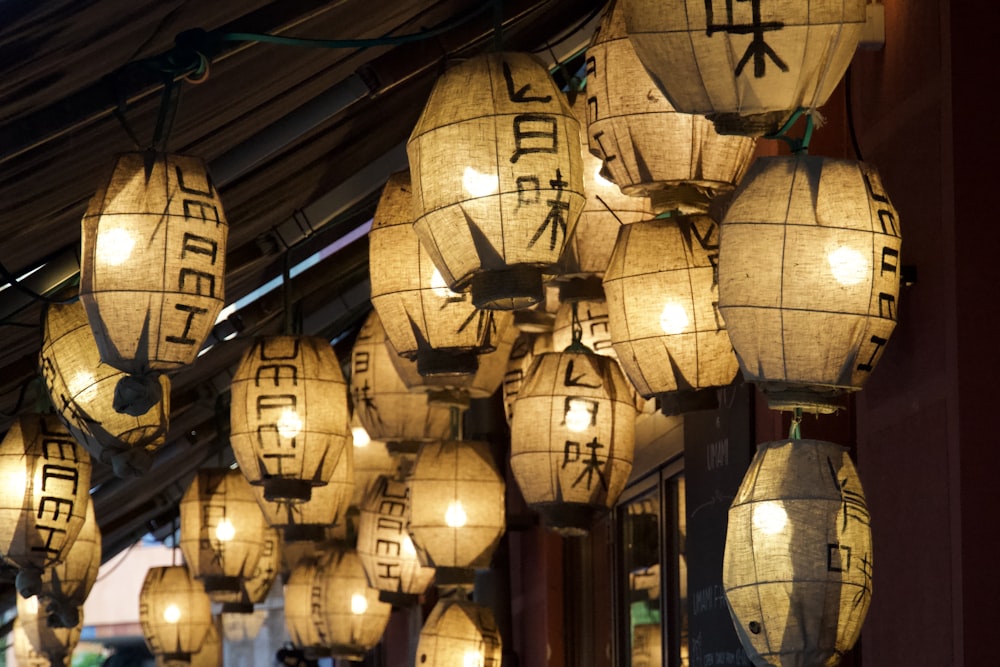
(12, 281)
(850, 115)
(575, 29)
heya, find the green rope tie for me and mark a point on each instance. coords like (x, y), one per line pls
(795, 429)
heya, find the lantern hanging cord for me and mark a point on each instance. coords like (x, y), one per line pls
(576, 331)
(800, 145)
(795, 429)
(850, 115)
(286, 292)
(20, 400)
(574, 30)
(456, 423)
(498, 26)
(169, 101)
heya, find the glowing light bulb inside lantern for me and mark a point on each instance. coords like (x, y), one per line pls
(455, 516)
(770, 517)
(114, 246)
(599, 179)
(360, 435)
(82, 386)
(17, 483)
(578, 417)
(225, 531)
(359, 604)
(172, 614)
(472, 658)
(673, 318)
(479, 184)
(289, 424)
(408, 549)
(440, 287)
(849, 267)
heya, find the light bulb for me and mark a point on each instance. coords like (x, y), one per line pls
(472, 658)
(578, 417)
(770, 517)
(673, 319)
(225, 531)
(849, 267)
(408, 549)
(172, 614)
(478, 184)
(114, 246)
(359, 604)
(455, 517)
(440, 287)
(600, 180)
(289, 424)
(361, 437)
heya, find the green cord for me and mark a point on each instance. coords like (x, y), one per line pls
(795, 430)
(796, 145)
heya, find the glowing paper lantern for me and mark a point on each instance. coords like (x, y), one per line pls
(497, 178)
(302, 630)
(527, 347)
(175, 613)
(209, 655)
(152, 266)
(371, 459)
(289, 415)
(457, 510)
(385, 407)
(387, 553)
(423, 318)
(222, 529)
(83, 389)
(43, 497)
(809, 277)
(648, 147)
(662, 295)
(66, 585)
(572, 438)
(797, 569)
(746, 65)
(459, 632)
(25, 653)
(55, 643)
(255, 587)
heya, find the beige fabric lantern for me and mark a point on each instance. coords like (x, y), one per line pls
(302, 630)
(809, 277)
(43, 498)
(423, 318)
(55, 643)
(572, 438)
(387, 553)
(797, 569)
(210, 654)
(459, 632)
(256, 586)
(385, 407)
(83, 389)
(24, 653)
(648, 147)
(526, 349)
(745, 65)
(457, 512)
(662, 295)
(289, 415)
(349, 617)
(497, 178)
(222, 529)
(152, 262)
(66, 585)
(175, 612)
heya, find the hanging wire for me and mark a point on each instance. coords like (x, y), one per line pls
(169, 101)
(795, 429)
(576, 330)
(456, 422)
(20, 400)
(286, 292)
(498, 26)
(800, 145)
(13, 282)
(575, 29)
(850, 115)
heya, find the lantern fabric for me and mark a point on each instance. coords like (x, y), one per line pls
(497, 178)
(593, 317)
(457, 513)
(174, 611)
(662, 294)
(747, 66)
(648, 147)
(423, 318)
(303, 632)
(527, 347)
(66, 585)
(289, 415)
(152, 263)
(55, 643)
(24, 653)
(256, 586)
(809, 277)
(459, 632)
(387, 552)
(222, 529)
(82, 389)
(44, 496)
(209, 655)
(572, 438)
(371, 459)
(797, 569)
(385, 407)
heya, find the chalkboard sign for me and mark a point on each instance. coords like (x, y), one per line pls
(717, 451)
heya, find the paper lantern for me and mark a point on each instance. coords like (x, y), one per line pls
(175, 612)
(497, 178)
(648, 147)
(662, 303)
(24, 653)
(254, 587)
(289, 415)
(809, 277)
(152, 264)
(797, 569)
(459, 632)
(302, 630)
(457, 513)
(572, 438)
(222, 529)
(43, 497)
(371, 459)
(385, 407)
(66, 585)
(423, 318)
(387, 553)
(209, 655)
(83, 389)
(526, 349)
(746, 65)
(55, 643)
(348, 614)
